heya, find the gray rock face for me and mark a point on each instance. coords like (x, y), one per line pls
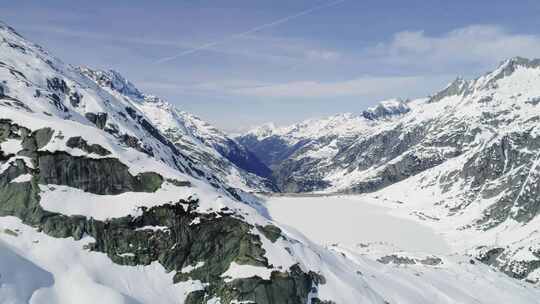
(99, 119)
(386, 109)
(457, 87)
(217, 239)
(80, 143)
(99, 176)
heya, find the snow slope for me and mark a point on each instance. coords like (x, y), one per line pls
(97, 173)
(397, 266)
(51, 270)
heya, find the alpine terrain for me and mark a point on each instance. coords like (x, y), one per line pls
(114, 195)
(464, 161)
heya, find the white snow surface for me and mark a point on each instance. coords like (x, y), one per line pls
(237, 271)
(351, 261)
(348, 220)
(40, 269)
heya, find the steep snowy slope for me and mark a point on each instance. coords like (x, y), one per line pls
(233, 163)
(93, 195)
(467, 156)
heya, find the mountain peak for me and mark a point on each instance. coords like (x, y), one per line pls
(509, 66)
(386, 109)
(520, 61)
(5, 26)
(460, 86)
(264, 130)
(113, 80)
(457, 87)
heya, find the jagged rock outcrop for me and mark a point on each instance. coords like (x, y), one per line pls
(386, 109)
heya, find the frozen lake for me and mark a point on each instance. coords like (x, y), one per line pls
(348, 220)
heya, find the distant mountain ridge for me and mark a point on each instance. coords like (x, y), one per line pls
(386, 109)
(235, 164)
(467, 154)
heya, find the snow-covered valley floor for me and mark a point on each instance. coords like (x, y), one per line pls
(350, 220)
(400, 257)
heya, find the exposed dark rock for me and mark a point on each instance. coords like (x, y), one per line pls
(133, 113)
(396, 259)
(457, 87)
(289, 288)
(431, 261)
(31, 142)
(57, 84)
(405, 260)
(99, 176)
(218, 239)
(99, 119)
(179, 183)
(386, 110)
(75, 99)
(152, 131)
(57, 102)
(271, 232)
(80, 143)
(519, 269)
(133, 142)
(407, 166)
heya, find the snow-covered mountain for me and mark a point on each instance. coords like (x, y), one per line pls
(96, 202)
(207, 145)
(386, 109)
(107, 193)
(467, 156)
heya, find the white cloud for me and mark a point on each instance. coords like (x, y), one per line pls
(436, 57)
(322, 55)
(427, 58)
(363, 86)
(484, 45)
(214, 88)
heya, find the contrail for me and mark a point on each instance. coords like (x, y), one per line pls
(251, 31)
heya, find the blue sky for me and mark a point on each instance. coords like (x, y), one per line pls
(238, 64)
